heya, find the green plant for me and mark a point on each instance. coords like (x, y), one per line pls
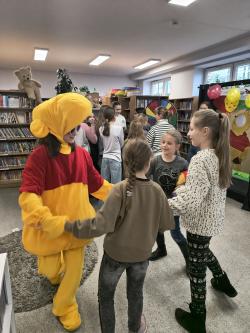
(84, 89)
(64, 83)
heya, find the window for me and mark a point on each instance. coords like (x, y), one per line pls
(242, 71)
(218, 75)
(160, 87)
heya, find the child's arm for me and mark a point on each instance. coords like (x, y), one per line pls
(190, 196)
(166, 215)
(104, 221)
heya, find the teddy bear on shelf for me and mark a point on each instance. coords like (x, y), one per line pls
(27, 84)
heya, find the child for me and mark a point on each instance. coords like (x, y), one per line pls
(132, 215)
(112, 138)
(201, 204)
(156, 132)
(119, 118)
(165, 170)
(56, 182)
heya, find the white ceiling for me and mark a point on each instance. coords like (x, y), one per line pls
(131, 31)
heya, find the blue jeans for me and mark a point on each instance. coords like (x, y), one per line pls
(176, 234)
(111, 170)
(109, 276)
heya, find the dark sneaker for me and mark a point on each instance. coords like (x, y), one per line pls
(223, 284)
(158, 253)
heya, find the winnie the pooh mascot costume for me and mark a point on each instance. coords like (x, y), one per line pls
(56, 183)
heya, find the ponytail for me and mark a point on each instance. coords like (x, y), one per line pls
(106, 128)
(108, 115)
(220, 132)
(222, 150)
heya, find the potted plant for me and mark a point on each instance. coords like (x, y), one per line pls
(64, 83)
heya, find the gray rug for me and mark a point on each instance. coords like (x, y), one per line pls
(30, 290)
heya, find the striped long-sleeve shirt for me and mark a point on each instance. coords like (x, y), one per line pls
(156, 132)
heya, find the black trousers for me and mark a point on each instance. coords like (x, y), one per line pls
(200, 257)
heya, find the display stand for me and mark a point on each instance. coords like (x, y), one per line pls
(7, 317)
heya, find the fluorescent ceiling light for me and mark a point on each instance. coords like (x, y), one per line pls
(183, 3)
(40, 54)
(148, 63)
(99, 59)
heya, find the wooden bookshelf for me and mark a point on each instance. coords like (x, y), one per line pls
(16, 140)
(130, 104)
(185, 107)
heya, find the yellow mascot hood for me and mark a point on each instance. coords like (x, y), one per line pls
(59, 115)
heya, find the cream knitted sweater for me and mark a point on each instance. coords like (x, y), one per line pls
(201, 202)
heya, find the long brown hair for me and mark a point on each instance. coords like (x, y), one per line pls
(136, 130)
(109, 115)
(219, 125)
(136, 155)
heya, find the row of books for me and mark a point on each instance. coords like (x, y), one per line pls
(12, 161)
(17, 147)
(184, 105)
(143, 103)
(183, 127)
(20, 117)
(182, 115)
(15, 132)
(16, 102)
(10, 175)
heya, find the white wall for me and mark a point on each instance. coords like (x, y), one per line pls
(102, 84)
(182, 84)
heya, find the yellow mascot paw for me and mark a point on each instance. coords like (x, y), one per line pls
(71, 321)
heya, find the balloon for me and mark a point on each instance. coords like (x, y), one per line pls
(229, 106)
(214, 91)
(233, 95)
(247, 101)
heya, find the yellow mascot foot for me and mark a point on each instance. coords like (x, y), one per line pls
(71, 321)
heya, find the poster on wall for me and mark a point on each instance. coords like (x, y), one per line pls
(235, 102)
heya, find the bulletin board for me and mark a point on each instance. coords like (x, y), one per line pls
(239, 116)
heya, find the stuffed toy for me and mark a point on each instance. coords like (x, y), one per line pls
(27, 84)
(182, 178)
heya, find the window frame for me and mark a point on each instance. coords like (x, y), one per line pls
(217, 68)
(236, 65)
(165, 83)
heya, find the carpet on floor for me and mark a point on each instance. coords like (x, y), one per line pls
(29, 289)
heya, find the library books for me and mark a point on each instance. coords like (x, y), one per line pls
(20, 117)
(6, 162)
(16, 147)
(10, 175)
(15, 101)
(15, 132)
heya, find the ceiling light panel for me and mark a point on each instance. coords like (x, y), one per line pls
(99, 60)
(148, 63)
(40, 54)
(183, 3)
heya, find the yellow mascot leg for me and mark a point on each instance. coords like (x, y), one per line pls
(68, 267)
(51, 267)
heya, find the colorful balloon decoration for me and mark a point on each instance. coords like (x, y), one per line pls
(229, 106)
(214, 91)
(247, 101)
(233, 95)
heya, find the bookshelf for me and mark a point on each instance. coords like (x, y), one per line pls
(16, 140)
(185, 107)
(130, 104)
